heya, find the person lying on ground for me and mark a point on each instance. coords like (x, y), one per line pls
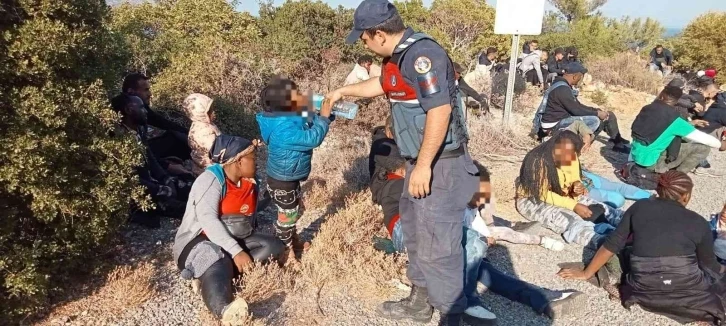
(387, 186)
(657, 126)
(290, 139)
(671, 268)
(203, 130)
(661, 60)
(467, 91)
(167, 192)
(560, 108)
(548, 192)
(361, 70)
(173, 143)
(217, 239)
(718, 227)
(531, 67)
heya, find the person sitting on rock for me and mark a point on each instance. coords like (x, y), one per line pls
(387, 186)
(167, 192)
(550, 191)
(661, 60)
(560, 108)
(203, 131)
(671, 268)
(657, 126)
(217, 239)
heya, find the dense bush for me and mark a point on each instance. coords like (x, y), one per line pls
(625, 69)
(65, 185)
(600, 36)
(702, 44)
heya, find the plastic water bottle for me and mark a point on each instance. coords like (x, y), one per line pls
(341, 108)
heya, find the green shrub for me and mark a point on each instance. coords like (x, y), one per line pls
(702, 44)
(65, 185)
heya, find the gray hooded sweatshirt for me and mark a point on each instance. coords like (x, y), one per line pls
(202, 213)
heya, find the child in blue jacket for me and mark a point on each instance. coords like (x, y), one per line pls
(290, 137)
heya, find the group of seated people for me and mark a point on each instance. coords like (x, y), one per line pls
(677, 132)
(539, 68)
(209, 180)
(656, 237)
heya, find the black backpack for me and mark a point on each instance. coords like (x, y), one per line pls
(640, 177)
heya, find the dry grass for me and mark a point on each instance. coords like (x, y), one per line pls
(128, 287)
(262, 282)
(627, 70)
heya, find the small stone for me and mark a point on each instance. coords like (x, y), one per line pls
(158, 243)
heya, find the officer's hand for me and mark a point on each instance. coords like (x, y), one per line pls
(420, 180)
(332, 97)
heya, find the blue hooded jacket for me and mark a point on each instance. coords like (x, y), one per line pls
(290, 142)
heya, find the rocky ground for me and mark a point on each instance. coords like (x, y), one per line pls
(175, 304)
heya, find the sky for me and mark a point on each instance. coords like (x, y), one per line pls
(671, 14)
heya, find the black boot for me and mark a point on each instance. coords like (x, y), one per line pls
(451, 320)
(416, 307)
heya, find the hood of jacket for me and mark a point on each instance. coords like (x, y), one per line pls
(197, 107)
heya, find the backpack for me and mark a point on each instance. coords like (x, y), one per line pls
(640, 177)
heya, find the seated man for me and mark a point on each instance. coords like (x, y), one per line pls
(361, 70)
(531, 67)
(485, 67)
(661, 60)
(571, 54)
(655, 128)
(468, 91)
(166, 191)
(556, 64)
(387, 186)
(173, 143)
(560, 108)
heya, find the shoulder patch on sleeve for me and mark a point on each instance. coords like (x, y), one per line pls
(422, 64)
(428, 83)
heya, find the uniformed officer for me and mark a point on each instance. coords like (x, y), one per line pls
(429, 127)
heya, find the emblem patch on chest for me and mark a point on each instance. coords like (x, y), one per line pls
(422, 65)
(393, 80)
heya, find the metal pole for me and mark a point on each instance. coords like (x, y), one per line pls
(510, 81)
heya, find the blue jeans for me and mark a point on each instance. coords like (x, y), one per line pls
(613, 193)
(591, 121)
(478, 269)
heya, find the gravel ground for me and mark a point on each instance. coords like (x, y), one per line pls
(177, 305)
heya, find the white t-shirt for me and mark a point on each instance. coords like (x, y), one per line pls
(474, 221)
(359, 74)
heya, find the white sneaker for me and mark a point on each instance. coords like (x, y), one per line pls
(552, 244)
(478, 315)
(235, 314)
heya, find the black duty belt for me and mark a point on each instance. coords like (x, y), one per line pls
(454, 153)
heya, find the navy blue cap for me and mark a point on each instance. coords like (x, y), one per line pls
(227, 147)
(574, 68)
(369, 14)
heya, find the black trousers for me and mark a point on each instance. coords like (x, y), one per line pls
(171, 143)
(610, 126)
(216, 282)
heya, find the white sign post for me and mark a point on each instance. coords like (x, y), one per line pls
(517, 17)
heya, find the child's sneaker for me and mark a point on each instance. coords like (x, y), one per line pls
(235, 314)
(552, 244)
